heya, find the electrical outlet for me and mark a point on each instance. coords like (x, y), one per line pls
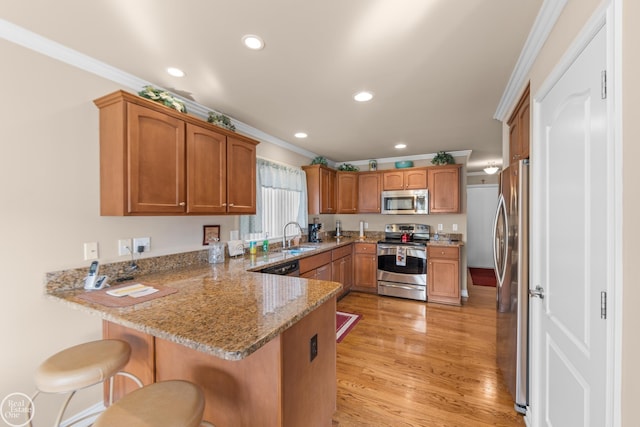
(141, 241)
(313, 347)
(90, 251)
(455, 227)
(440, 227)
(124, 246)
(366, 225)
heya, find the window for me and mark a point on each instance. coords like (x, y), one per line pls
(281, 197)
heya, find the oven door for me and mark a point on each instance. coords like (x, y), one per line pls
(402, 276)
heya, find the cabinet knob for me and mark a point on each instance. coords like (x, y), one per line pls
(182, 203)
(442, 253)
(224, 204)
(231, 204)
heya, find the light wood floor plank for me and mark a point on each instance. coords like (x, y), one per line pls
(412, 364)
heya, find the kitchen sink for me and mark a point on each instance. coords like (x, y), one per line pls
(297, 250)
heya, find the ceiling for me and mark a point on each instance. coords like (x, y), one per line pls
(437, 68)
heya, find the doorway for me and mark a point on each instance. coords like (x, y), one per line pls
(482, 201)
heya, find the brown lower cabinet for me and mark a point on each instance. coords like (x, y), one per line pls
(365, 270)
(443, 274)
(275, 386)
(342, 267)
(316, 266)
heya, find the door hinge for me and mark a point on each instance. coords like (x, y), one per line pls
(603, 305)
(603, 84)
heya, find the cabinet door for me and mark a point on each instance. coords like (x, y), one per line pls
(519, 129)
(348, 273)
(206, 171)
(365, 270)
(415, 179)
(393, 180)
(327, 191)
(311, 274)
(444, 189)
(444, 281)
(324, 272)
(156, 151)
(369, 192)
(241, 176)
(347, 192)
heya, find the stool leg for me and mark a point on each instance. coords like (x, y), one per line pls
(64, 408)
(132, 377)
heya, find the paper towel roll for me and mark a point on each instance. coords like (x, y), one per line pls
(361, 228)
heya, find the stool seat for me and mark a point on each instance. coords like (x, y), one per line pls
(174, 403)
(82, 365)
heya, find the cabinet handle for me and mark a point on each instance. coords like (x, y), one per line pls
(231, 204)
(182, 203)
(224, 204)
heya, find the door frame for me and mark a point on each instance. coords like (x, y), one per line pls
(609, 15)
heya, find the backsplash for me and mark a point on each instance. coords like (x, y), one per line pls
(74, 278)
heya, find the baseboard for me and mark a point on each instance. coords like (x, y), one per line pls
(93, 409)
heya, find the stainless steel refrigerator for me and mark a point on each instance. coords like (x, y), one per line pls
(511, 258)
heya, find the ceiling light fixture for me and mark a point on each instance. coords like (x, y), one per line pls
(363, 96)
(491, 168)
(175, 72)
(253, 42)
(300, 135)
(400, 146)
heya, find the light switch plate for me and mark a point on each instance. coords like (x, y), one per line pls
(90, 251)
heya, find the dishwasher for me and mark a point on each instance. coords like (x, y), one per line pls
(290, 268)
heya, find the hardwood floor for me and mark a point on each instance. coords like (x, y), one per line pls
(408, 363)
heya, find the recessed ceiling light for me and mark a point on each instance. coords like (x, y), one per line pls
(300, 135)
(175, 72)
(363, 96)
(400, 146)
(253, 42)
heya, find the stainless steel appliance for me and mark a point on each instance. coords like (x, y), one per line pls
(511, 257)
(402, 261)
(314, 233)
(409, 202)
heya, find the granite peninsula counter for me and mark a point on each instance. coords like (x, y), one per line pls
(247, 338)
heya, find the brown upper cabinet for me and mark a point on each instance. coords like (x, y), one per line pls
(321, 189)
(157, 161)
(347, 183)
(369, 184)
(519, 129)
(409, 179)
(444, 189)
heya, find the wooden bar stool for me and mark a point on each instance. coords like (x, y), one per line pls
(82, 366)
(174, 403)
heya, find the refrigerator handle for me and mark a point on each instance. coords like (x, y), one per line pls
(502, 209)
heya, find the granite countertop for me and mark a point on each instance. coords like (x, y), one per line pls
(219, 309)
(445, 243)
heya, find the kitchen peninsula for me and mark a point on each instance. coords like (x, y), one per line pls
(244, 337)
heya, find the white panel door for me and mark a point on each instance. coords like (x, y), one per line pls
(571, 233)
(482, 201)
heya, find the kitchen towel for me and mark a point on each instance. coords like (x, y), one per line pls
(401, 256)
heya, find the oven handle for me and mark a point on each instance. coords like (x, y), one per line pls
(408, 288)
(412, 251)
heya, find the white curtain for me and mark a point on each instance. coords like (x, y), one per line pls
(276, 176)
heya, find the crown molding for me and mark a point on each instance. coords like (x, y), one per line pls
(547, 17)
(460, 153)
(47, 47)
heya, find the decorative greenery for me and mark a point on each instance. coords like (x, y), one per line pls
(221, 120)
(443, 158)
(163, 97)
(319, 160)
(348, 167)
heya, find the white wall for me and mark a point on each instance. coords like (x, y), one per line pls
(50, 206)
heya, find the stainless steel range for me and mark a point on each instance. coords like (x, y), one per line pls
(402, 261)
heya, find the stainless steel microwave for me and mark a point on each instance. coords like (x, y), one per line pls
(408, 202)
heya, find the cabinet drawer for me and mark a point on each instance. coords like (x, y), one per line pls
(314, 261)
(365, 248)
(341, 252)
(443, 252)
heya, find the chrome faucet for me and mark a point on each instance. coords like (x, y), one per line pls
(284, 234)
